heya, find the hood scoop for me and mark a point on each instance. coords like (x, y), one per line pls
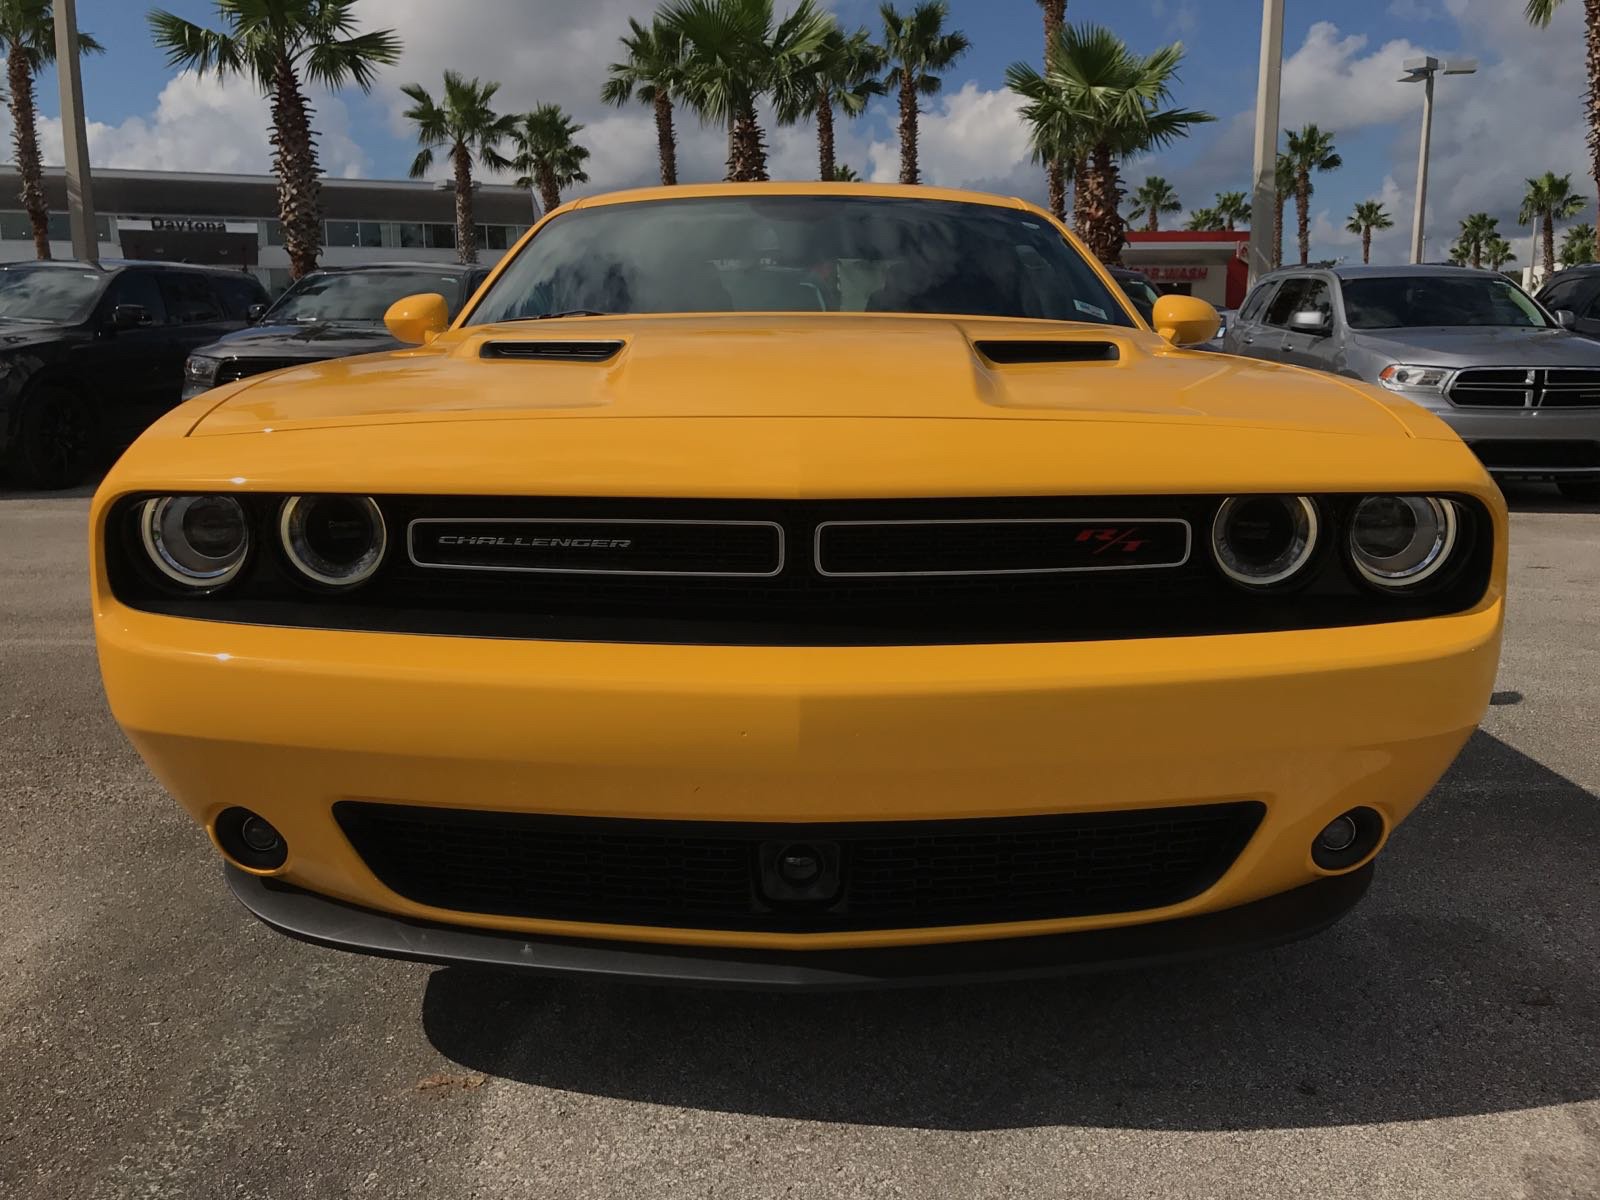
(1060, 350)
(550, 351)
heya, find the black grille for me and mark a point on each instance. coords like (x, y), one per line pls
(707, 874)
(243, 368)
(1512, 454)
(1517, 387)
(887, 548)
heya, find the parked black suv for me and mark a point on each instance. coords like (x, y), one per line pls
(92, 353)
(331, 313)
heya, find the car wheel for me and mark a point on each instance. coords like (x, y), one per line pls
(57, 439)
(1584, 491)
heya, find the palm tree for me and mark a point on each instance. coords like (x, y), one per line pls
(1368, 215)
(1577, 245)
(1283, 184)
(548, 156)
(1497, 252)
(845, 69)
(1310, 149)
(279, 44)
(1459, 254)
(1055, 170)
(1549, 199)
(1097, 101)
(28, 30)
(1232, 207)
(1476, 231)
(652, 73)
(845, 173)
(1204, 220)
(918, 47)
(1539, 12)
(734, 54)
(464, 125)
(1152, 198)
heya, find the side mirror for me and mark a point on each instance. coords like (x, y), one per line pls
(417, 320)
(255, 312)
(1185, 321)
(1310, 320)
(130, 316)
(1566, 318)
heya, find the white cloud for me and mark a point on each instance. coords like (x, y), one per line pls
(972, 137)
(200, 124)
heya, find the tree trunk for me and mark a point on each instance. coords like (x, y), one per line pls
(1080, 196)
(1302, 213)
(1366, 244)
(1153, 221)
(908, 127)
(1277, 229)
(666, 139)
(294, 161)
(825, 133)
(466, 228)
(1477, 255)
(749, 159)
(1055, 171)
(1104, 230)
(1591, 19)
(26, 137)
(549, 192)
(1549, 230)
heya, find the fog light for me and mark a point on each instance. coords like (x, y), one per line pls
(250, 840)
(1262, 541)
(1340, 834)
(1347, 840)
(259, 835)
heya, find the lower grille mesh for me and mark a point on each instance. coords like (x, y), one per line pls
(705, 874)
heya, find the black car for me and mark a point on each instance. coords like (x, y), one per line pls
(1140, 290)
(1577, 291)
(331, 313)
(91, 353)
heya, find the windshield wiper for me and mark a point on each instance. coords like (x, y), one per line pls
(566, 312)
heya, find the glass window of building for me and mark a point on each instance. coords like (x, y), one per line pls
(442, 237)
(14, 227)
(272, 233)
(369, 234)
(102, 227)
(342, 233)
(60, 228)
(410, 235)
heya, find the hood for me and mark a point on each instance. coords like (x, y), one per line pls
(20, 335)
(324, 339)
(1481, 346)
(827, 365)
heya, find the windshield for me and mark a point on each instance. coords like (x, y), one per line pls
(800, 254)
(1402, 301)
(1142, 293)
(359, 297)
(48, 295)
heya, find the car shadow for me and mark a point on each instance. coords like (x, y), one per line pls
(1462, 985)
(1530, 496)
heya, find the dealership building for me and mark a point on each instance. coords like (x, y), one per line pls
(1211, 266)
(231, 220)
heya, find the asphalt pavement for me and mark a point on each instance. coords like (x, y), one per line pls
(1442, 1041)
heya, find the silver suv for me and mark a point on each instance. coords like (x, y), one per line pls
(1470, 346)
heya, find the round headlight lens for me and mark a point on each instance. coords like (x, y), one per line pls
(1260, 541)
(337, 541)
(1398, 541)
(198, 541)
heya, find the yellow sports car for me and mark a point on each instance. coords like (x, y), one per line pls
(798, 585)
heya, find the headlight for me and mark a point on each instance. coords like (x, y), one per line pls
(198, 541)
(337, 541)
(1398, 541)
(1260, 541)
(1405, 377)
(200, 372)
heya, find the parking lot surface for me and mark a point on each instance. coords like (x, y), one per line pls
(1443, 1041)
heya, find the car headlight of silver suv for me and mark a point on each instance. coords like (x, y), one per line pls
(1409, 377)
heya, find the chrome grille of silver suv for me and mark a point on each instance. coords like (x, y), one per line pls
(1517, 387)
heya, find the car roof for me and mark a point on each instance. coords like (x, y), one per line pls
(447, 268)
(111, 265)
(1396, 271)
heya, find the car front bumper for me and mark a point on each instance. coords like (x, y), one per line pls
(1530, 441)
(289, 722)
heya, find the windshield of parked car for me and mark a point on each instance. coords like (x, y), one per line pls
(1401, 301)
(359, 297)
(1142, 292)
(794, 254)
(48, 295)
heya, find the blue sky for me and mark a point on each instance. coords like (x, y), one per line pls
(1521, 114)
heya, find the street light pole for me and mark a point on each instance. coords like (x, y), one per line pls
(80, 184)
(1264, 194)
(1422, 70)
